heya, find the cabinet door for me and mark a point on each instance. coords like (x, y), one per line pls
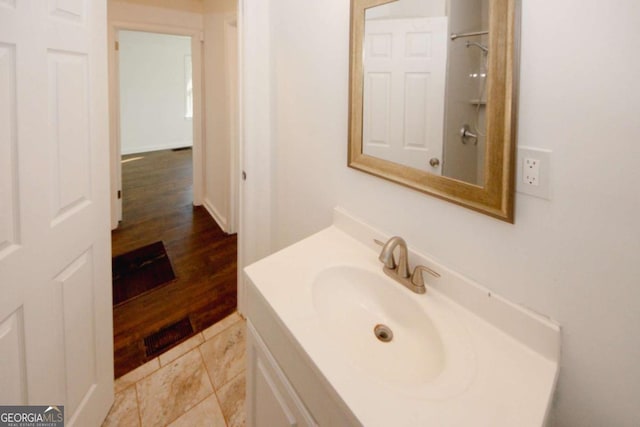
(271, 400)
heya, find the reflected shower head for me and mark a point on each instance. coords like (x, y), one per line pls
(479, 46)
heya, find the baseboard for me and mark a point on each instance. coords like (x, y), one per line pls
(219, 219)
(148, 148)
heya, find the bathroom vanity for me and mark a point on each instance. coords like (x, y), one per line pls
(333, 341)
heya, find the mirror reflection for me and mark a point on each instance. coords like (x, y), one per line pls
(425, 75)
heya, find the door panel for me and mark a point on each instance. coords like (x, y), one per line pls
(69, 133)
(404, 83)
(8, 181)
(12, 368)
(55, 272)
(72, 10)
(78, 325)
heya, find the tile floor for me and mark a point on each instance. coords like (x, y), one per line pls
(200, 382)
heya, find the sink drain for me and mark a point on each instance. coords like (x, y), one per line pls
(383, 333)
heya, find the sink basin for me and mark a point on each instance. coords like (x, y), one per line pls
(405, 348)
(458, 355)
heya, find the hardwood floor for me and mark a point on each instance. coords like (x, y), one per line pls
(157, 205)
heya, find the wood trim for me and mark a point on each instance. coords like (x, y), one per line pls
(496, 196)
(232, 70)
(219, 219)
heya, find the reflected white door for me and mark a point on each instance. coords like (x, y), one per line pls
(404, 87)
(56, 344)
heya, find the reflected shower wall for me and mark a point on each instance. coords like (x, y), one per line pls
(465, 92)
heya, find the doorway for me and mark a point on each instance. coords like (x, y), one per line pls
(192, 120)
(174, 268)
(155, 123)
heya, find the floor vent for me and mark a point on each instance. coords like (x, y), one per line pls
(167, 337)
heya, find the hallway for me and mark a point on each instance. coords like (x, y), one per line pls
(157, 205)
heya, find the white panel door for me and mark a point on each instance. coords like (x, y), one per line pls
(56, 343)
(404, 87)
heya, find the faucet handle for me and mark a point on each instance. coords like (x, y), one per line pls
(417, 279)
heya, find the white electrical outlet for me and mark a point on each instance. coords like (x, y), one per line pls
(531, 171)
(534, 171)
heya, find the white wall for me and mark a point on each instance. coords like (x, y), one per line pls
(575, 258)
(178, 13)
(408, 9)
(153, 76)
(217, 150)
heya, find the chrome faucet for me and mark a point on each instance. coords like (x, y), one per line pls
(400, 271)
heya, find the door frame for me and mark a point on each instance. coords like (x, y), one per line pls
(255, 136)
(197, 39)
(231, 26)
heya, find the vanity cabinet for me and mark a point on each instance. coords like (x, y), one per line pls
(284, 387)
(271, 400)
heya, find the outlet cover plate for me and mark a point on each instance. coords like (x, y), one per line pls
(543, 189)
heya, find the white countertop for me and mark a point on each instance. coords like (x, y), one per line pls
(493, 376)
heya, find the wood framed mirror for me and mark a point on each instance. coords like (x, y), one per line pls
(433, 97)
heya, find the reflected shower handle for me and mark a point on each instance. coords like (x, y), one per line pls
(465, 134)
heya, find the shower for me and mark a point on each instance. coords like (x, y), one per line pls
(482, 85)
(480, 46)
(465, 131)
